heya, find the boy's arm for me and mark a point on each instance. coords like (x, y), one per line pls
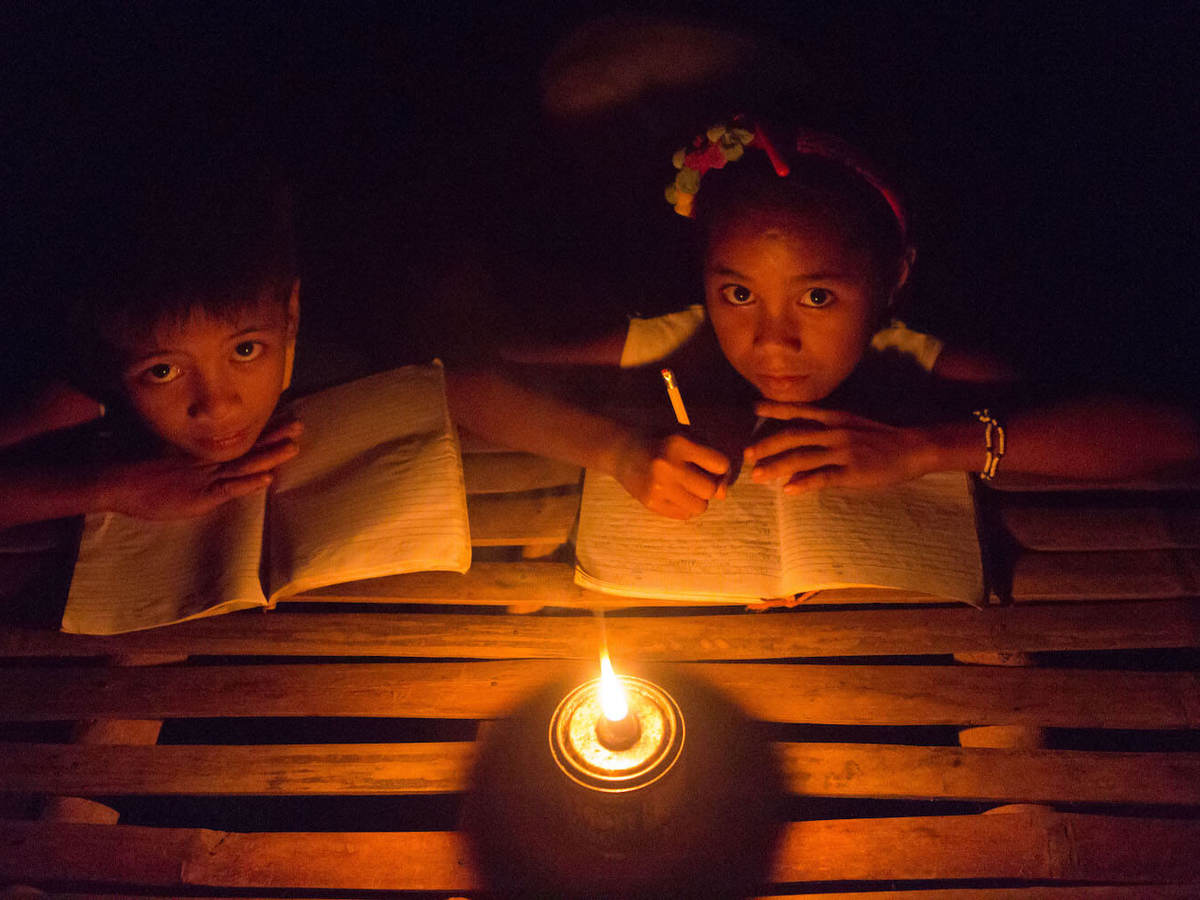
(167, 488)
(673, 476)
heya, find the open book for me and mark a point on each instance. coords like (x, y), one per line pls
(376, 490)
(761, 543)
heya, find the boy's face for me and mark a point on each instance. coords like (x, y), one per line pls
(792, 302)
(208, 385)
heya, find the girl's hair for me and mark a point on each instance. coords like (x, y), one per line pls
(854, 200)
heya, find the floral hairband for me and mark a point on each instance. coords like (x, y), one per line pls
(711, 150)
(726, 143)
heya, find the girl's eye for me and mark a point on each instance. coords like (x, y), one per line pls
(817, 298)
(737, 294)
(248, 350)
(161, 373)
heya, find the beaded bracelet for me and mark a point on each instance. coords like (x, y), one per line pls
(993, 438)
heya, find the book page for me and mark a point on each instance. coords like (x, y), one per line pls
(132, 574)
(377, 488)
(729, 552)
(916, 536)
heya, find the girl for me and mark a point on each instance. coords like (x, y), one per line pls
(805, 252)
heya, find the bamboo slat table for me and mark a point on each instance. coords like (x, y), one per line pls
(1048, 747)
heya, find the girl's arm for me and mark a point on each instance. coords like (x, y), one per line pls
(1103, 437)
(55, 406)
(672, 476)
(602, 351)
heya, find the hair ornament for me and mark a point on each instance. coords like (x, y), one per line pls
(722, 144)
(719, 145)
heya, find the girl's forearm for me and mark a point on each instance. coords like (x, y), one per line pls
(500, 410)
(1096, 438)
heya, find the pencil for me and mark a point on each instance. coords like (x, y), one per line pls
(676, 398)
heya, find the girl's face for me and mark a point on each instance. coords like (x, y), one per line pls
(209, 384)
(792, 302)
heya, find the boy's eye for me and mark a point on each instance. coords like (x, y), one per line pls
(737, 294)
(161, 373)
(247, 350)
(817, 298)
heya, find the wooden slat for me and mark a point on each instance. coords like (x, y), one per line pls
(1030, 845)
(1117, 575)
(500, 520)
(849, 695)
(874, 771)
(1029, 892)
(1004, 776)
(498, 473)
(260, 770)
(781, 635)
(546, 584)
(1083, 529)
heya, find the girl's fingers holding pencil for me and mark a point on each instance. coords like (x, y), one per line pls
(678, 448)
(673, 477)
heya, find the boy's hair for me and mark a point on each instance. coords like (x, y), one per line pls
(830, 188)
(213, 234)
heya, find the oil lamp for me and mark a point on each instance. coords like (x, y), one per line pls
(616, 733)
(590, 789)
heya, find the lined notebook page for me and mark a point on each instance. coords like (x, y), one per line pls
(132, 574)
(730, 552)
(916, 536)
(377, 488)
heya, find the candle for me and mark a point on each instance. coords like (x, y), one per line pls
(622, 754)
(618, 728)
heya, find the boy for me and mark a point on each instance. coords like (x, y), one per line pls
(183, 330)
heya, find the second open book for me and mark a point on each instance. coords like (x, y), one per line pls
(376, 490)
(761, 543)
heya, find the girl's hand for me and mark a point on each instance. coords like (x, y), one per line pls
(673, 477)
(180, 488)
(57, 405)
(846, 451)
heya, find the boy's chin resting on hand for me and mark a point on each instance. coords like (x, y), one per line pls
(182, 487)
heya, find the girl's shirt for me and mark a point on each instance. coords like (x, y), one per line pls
(893, 382)
(653, 340)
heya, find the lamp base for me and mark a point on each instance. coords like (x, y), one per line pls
(707, 827)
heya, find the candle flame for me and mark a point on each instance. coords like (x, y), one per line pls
(612, 696)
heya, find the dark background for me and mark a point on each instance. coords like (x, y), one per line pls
(1048, 152)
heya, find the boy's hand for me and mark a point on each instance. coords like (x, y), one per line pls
(180, 488)
(673, 477)
(848, 451)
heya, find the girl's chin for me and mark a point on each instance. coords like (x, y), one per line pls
(790, 390)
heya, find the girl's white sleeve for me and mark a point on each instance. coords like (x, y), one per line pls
(649, 340)
(923, 348)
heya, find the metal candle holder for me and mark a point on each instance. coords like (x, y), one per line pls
(562, 805)
(619, 756)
